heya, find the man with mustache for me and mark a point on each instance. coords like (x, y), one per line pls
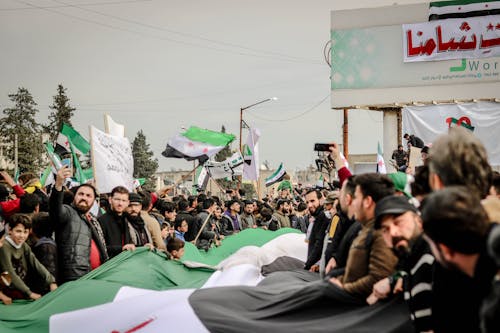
(79, 237)
(401, 228)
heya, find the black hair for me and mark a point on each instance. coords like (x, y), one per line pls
(178, 222)
(165, 206)
(146, 199)
(207, 203)
(28, 203)
(375, 185)
(174, 244)
(19, 219)
(182, 205)
(87, 185)
(319, 195)
(455, 217)
(41, 225)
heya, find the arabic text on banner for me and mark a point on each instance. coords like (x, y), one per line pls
(471, 38)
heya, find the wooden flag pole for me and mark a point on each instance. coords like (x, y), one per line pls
(201, 229)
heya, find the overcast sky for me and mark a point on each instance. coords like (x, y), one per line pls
(160, 65)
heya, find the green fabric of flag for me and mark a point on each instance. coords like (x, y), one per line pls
(79, 174)
(75, 138)
(45, 174)
(207, 136)
(439, 10)
(56, 162)
(140, 269)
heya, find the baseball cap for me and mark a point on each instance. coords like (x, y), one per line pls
(392, 205)
(134, 198)
(330, 199)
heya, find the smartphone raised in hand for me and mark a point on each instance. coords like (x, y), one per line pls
(322, 146)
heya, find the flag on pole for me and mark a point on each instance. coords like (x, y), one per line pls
(78, 172)
(439, 10)
(230, 167)
(68, 136)
(56, 161)
(277, 176)
(45, 175)
(201, 179)
(380, 161)
(251, 155)
(139, 182)
(197, 144)
(112, 127)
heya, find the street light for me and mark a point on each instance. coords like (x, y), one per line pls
(243, 122)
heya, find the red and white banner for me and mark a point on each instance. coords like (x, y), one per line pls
(472, 37)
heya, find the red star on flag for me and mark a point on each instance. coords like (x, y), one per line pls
(205, 150)
(497, 26)
(489, 27)
(380, 163)
(190, 145)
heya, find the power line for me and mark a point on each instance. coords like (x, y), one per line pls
(166, 38)
(294, 117)
(184, 34)
(82, 4)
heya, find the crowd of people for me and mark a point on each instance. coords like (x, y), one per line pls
(368, 238)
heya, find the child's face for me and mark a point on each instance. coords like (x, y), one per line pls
(184, 227)
(19, 234)
(178, 254)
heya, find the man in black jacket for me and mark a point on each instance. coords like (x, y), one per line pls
(321, 221)
(114, 224)
(80, 242)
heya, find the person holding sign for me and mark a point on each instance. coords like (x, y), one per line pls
(80, 242)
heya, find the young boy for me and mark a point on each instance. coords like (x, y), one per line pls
(4, 298)
(17, 259)
(175, 247)
(181, 227)
(45, 248)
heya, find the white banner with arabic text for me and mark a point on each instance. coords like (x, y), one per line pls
(470, 38)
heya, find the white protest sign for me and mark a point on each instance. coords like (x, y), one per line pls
(112, 159)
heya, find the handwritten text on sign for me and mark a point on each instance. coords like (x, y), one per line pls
(113, 161)
(474, 37)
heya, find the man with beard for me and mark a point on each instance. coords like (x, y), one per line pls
(139, 233)
(320, 223)
(401, 227)
(114, 224)
(457, 228)
(347, 230)
(247, 217)
(80, 241)
(369, 258)
(281, 213)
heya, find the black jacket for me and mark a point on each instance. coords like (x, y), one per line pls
(315, 246)
(192, 226)
(73, 237)
(116, 232)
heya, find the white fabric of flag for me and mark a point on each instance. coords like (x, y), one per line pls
(381, 168)
(251, 155)
(197, 144)
(232, 166)
(277, 176)
(152, 311)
